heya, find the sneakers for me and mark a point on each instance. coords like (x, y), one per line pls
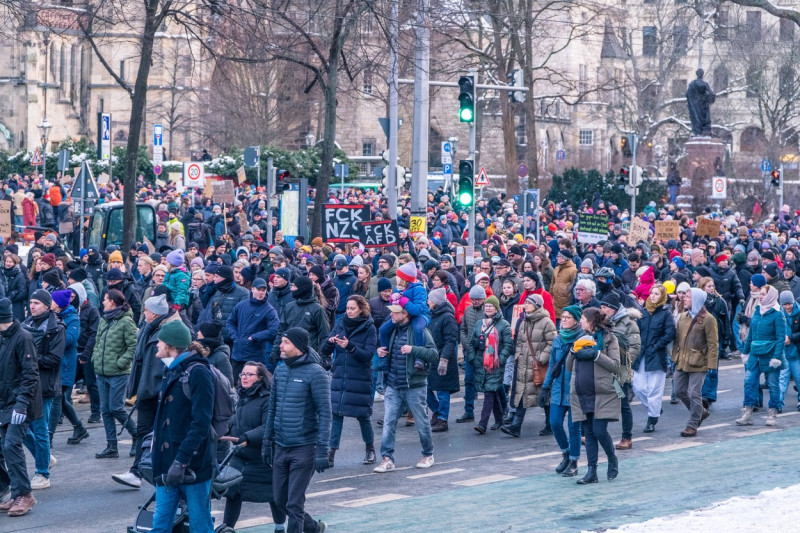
(378, 397)
(772, 417)
(40, 482)
(747, 417)
(129, 479)
(94, 419)
(425, 462)
(53, 462)
(22, 505)
(386, 466)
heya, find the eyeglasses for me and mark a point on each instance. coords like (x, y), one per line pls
(247, 375)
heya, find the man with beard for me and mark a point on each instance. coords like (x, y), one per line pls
(281, 293)
(224, 299)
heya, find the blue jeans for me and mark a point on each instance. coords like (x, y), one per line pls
(673, 193)
(37, 440)
(793, 370)
(439, 403)
(573, 443)
(196, 495)
(710, 385)
(377, 375)
(469, 390)
(752, 387)
(112, 405)
(393, 402)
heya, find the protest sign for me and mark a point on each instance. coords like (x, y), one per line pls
(5, 218)
(592, 228)
(223, 191)
(342, 222)
(667, 230)
(379, 233)
(707, 227)
(639, 231)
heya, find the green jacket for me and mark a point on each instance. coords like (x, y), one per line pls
(115, 346)
(428, 354)
(483, 380)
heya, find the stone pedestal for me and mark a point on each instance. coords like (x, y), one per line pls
(701, 154)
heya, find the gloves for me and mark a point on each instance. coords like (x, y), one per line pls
(744, 319)
(442, 370)
(321, 463)
(266, 453)
(403, 301)
(745, 357)
(174, 475)
(542, 399)
(583, 342)
(712, 373)
(17, 417)
(775, 363)
(586, 354)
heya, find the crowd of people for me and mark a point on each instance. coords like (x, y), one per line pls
(214, 338)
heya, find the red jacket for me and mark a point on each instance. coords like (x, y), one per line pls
(548, 301)
(466, 302)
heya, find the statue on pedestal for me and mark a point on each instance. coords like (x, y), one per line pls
(699, 98)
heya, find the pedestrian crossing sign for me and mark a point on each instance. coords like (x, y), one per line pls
(482, 179)
(36, 160)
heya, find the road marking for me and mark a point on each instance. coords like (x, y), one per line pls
(535, 456)
(436, 473)
(668, 398)
(754, 432)
(457, 400)
(439, 463)
(790, 413)
(731, 367)
(328, 492)
(372, 500)
(714, 426)
(676, 446)
(252, 522)
(484, 480)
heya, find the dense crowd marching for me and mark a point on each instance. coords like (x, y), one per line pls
(310, 333)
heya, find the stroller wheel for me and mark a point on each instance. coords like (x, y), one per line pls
(224, 528)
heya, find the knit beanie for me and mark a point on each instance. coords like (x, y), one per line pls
(535, 299)
(42, 296)
(492, 300)
(6, 314)
(786, 297)
(284, 273)
(574, 310)
(157, 305)
(62, 298)
(303, 287)
(225, 272)
(772, 270)
(175, 258)
(175, 333)
(50, 259)
(477, 293)
(318, 272)
(739, 258)
(78, 274)
(298, 337)
(210, 330)
(437, 296)
(52, 277)
(383, 284)
(611, 300)
(116, 256)
(758, 280)
(407, 272)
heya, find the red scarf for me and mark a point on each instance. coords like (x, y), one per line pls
(491, 361)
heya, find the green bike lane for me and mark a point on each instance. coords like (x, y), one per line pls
(663, 482)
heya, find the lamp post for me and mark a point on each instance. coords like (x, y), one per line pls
(44, 130)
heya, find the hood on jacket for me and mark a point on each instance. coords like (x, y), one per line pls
(698, 301)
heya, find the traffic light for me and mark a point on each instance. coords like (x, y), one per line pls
(624, 175)
(466, 98)
(776, 178)
(282, 183)
(466, 182)
(516, 79)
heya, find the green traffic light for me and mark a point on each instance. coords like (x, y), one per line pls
(465, 198)
(466, 114)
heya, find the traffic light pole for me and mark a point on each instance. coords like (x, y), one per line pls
(391, 177)
(635, 144)
(780, 173)
(469, 258)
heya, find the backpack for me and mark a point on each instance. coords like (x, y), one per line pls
(225, 399)
(196, 233)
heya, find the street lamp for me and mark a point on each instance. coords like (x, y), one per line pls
(310, 139)
(44, 130)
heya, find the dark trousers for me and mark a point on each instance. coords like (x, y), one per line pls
(14, 455)
(492, 403)
(596, 431)
(65, 406)
(91, 386)
(291, 473)
(627, 413)
(145, 421)
(233, 508)
(367, 433)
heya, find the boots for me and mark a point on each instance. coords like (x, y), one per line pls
(109, 453)
(651, 424)
(514, 427)
(613, 467)
(772, 417)
(747, 417)
(369, 458)
(508, 419)
(571, 470)
(78, 434)
(564, 463)
(590, 477)
(331, 454)
(440, 426)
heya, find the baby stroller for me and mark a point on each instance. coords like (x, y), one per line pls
(226, 477)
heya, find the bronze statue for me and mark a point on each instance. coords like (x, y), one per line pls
(699, 98)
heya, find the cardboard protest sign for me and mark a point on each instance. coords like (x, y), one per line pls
(639, 231)
(379, 233)
(223, 191)
(5, 218)
(707, 227)
(342, 222)
(592, 228)
(667, 230)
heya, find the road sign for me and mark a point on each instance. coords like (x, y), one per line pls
(561, 155)
(193, 175)
(719, 188)
(341, 170)
(63, 160)
(85, 187)
(36, 160)
(482, 180)
(522, 170)
(447, 168)
(766, 165)
(105, 136)
(158, 135)
(157, 170)
(447, 153)
(158, 155)
(251, 156)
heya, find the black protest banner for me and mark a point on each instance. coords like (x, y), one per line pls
(379, 233)
(342, 222)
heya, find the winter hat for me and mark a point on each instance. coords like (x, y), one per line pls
(196, 261)
(383, 284)
(298, 337)
(565, 253)
(786, 297)
(157, 305)
(248, 273)
(389, 258)
(318, 272)
(116, 256)
(768, 255)
(51, 237)
(720, 258)
(114, 274)
(758, 280)
(535, 299)
(6, 315)
(357, 261)
(284, 273)
(80, 290)
(62, 298)
(224, 271)
(683, 287)
(480, 276)
(407, 272)
(50, 259)
(679, 262)
(612, 301)
(574, 310)
(177, 226)
(212, 268)
(673, 254)
(743, 232)
(316, 241)
(449, 258)
(739, 258)
(175, 333)
(303, 287)
(492, 300)
(477, 293)
(437, 296)
(752, 258)
(772, 270)
(52, 277)
(587, 263)
(616, 248)
(42, 296)
(210, 330)
(429, 264)
(176, 258)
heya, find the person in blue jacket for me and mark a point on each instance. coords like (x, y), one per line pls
(791, 313)
(412, 296)
(252, 326)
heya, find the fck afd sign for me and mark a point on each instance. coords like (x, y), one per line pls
(351, 223)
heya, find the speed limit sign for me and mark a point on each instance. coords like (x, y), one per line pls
(193, 175)
(719, 188)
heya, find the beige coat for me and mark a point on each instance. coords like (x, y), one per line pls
(561, 286)
(606, 402)
(541, 331)
(696, 350)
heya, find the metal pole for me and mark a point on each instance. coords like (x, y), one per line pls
(419, 180)
(633, 175)
(391, 178)
(341, 171)
(258, 167)
(270, 185)
(470, 258)
(536, 214)
(44, 158)
(780, 174)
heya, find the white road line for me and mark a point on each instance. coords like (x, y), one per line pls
(456, 400)
(790, 413)
(484, 480)
(436, 473)
(754, 432)
(372, 500)
(535, 456)
(401, 468)
(668, 398)
(731, 367)
(713, 426)
(328, 492)
(676, 446)
(252, 522)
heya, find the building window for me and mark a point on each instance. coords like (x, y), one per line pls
(721, 77)
(366, 87)
(680, 40)
(649, 41)
(122, 70)
(786, 82)
(519, 131)
(368, 147)
(367, 24)
(583, 78)
(721, 32)
(586, 137)
(787, 30)
(754, 25)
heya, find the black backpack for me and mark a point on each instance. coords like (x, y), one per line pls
(225, 399)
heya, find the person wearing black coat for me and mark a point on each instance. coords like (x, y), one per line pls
(304, 312)
(247, 432)
(352, 343)
(16, 286)
(442, 379)
(90, 321)
(123, 282)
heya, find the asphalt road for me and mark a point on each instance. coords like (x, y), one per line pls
(84, 498)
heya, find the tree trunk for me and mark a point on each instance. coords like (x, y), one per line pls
(138, 104)
(328, 146)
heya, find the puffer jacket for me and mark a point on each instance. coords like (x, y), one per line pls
(248, 425)
(351, 371)
(560, 287)
(696, 345)
(221, 305)
(427, 354)
(628, 336)
(606, 403)
(471, 316)
(20, 388)
(178, 282)
(657, 330)
(444, 330)
(727, 283)
(558, 385)
(72, 331)
(115, 345)
(793, 331)
(540, 331)
(252, 327)
(279, 298)
(489, 381)
(299, 410)
(48, 336)
(344, 284)
(379, 308)
(765, 341)
(17, 291)
(306, 314)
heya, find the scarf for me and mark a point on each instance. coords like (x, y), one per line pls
(505, 299)
(748, 311)
(651, 307)
(225, 285)
(491, 360)
(113, 314)
(568, 336)
(769, 301)
(350, 324)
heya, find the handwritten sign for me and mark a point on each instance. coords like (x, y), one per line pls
(707, 226)
(416, 225)
(5, 218)
(592, 228)
(223, 191)
(639, 231)
(667, 230)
